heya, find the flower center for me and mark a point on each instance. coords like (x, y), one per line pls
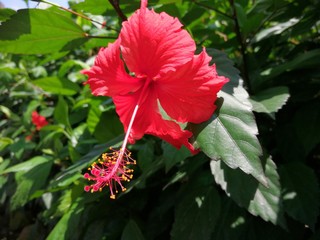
(110, 171)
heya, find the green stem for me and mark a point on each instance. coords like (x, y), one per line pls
(115, 5)
(103, 37)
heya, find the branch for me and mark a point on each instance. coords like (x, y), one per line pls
(243, 46)
(115, 5)
(103, 37)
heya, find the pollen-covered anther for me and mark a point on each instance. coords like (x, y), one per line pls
(110, 171)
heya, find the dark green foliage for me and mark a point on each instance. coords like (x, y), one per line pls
(257, 176)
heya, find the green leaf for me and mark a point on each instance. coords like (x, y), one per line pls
(241, 15)
(56, 85)
(27, 165)
(108, 127)
(94, 114)
(9, 114)
(67, 227)
(246, 192)
(20, 147)
(306, 126)
(303, 60)
(230, 135)
(36, 31)
(61, 113)
(140, 182)
(270, 100)
(5, 13)
(96, 7)
(146, 156)
(71, 65)
(231, 225)
(172, 156)
(100, 7)
(30, 177)
(196, 214)
(275, 30)
(132, 231)
(4, 142)
(301, 196)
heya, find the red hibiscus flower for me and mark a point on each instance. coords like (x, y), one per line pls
(164, 76)
(38, 120)
(163, 71)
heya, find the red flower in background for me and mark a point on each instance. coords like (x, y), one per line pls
(163, 71)
(38, 120)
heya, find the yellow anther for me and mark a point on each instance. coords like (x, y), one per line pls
(100, 189)
(113, 196)
(124, 189)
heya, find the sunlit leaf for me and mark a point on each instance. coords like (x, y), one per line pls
(27, 165)
(37, 31)
(275, 30)
(270, 100)
(30, 177)
(56, 85)
(4, 142)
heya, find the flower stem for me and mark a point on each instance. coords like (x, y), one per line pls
(115, 5)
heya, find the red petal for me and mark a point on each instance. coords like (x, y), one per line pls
(188, 95)
(148, 119)
(108, 77)
(154, 43)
